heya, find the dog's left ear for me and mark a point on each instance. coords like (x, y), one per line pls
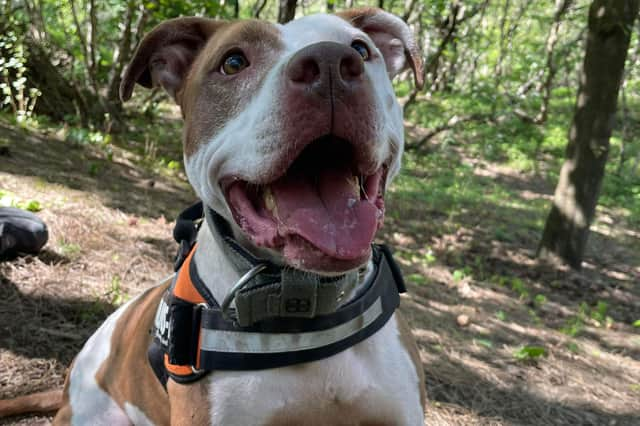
(392, 37)
(166, 54)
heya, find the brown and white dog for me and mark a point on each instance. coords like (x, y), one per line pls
(292, 133)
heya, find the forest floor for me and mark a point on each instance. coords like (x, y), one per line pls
(505, 339)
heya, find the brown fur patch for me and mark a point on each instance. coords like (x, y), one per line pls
(337, 415)
(41, 402)
(189, 403)
(210, 99)
(63, 416)
(126, 374)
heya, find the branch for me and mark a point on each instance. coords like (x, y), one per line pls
(81, 39)
(121, 53)
(452, 123)
(258, 7)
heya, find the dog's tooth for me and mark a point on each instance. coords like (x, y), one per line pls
(361, 189)
(354, 182)
(270, 201)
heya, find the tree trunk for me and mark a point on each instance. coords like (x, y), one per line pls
(331, 6)
(258, 7)
(287, 10)
(121, 55)
(545, 86)
(567, 228)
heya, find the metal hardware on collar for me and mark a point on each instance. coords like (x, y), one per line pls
(243, 281)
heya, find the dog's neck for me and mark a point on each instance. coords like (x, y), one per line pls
(219, 274)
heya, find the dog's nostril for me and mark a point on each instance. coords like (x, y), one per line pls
(305, 70)
(351, 67)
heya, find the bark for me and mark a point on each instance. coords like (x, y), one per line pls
(567, 228)
(451, 124)
(626, 131)
(458, 15)
(121, 55)
(497, 71)
(562, 6)
(60, 97)
(409, 5)
(287, 10)
(86, 49)
(331, 6)
(258, 8)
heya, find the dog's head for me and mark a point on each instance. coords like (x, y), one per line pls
(292, 132)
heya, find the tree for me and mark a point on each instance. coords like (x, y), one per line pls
(567, 227)
(287, 10)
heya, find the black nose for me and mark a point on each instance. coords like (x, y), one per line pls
(325, 68)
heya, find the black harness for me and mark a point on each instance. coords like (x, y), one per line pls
(194, 337)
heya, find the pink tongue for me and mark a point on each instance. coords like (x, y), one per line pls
(327, 213)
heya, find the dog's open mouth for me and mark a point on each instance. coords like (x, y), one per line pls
(322, 213)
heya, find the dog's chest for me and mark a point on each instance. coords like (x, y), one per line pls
(373, 382)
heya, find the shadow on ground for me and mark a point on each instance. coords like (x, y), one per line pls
(43, 326)
(120, 183)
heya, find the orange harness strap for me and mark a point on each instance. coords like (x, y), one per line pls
(185, 290)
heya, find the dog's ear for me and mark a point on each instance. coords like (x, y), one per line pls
(166, 54)
(392, 37)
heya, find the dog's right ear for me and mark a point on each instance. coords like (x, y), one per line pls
(166, 54)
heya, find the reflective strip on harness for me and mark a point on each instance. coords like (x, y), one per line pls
(238, 341)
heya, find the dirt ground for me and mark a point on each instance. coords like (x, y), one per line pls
(110, 238)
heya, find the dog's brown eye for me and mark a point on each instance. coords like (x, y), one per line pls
(362, 49)
(234, 63)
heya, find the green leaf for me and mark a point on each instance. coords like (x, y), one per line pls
(485, 342)
(418, 279)
(636, 323)
(540, 299)
(174, 165)
(458, 275)
(529, 352)
(32, 206)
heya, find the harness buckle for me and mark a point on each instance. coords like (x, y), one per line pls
(243, 281)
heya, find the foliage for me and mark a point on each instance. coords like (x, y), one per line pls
(14, 90)
(8, 199)
(527, 353)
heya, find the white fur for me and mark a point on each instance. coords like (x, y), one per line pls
(374, 377)
(90, 405)
(138, 418)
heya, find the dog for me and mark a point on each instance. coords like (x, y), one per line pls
(291, 135)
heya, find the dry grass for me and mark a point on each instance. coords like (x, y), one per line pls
(110, 238)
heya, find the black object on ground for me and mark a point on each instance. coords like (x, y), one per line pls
(21, 232)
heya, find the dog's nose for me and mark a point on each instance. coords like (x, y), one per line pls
(326, 68)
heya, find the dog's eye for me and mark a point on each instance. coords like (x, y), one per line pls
(234, 63)
(362, 49)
